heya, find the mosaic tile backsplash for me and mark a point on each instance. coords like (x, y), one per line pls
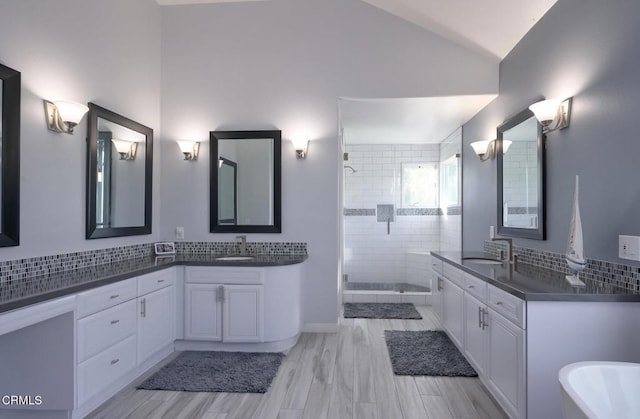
(256, 248)
(616, 274)
(13, 270)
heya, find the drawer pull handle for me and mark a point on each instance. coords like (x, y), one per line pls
(484, 322)
(471, 286)
(115, 361)
(160, 281)
(143, 307)
(115, 321)
(115, 296)
(498, 303)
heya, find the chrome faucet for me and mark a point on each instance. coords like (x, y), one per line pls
(509, 247)
(243, 244)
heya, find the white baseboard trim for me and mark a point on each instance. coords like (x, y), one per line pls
(320, 328)
(278, 346)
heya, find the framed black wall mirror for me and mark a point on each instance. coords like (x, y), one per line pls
(245, 181)
(119, 175)
(521, 177)
(10, 152)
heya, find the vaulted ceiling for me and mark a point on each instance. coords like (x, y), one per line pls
(488, 27)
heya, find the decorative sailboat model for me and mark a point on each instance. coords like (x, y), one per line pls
(575, 248)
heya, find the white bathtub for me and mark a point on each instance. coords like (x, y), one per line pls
(600, 390)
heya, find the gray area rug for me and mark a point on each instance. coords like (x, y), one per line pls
(427, 352)
(380, 311)
(225, 372)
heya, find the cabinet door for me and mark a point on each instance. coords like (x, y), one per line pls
(203, 312)
(453, 303)
(505, 362)
(436, 297)
(475, 341)
(155, 322)
(243, 308)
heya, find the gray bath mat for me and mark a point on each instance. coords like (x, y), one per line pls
(226, 372)
(427, 352)
(380, 311)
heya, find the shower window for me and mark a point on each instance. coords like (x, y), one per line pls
(419, 185)
(449, 195)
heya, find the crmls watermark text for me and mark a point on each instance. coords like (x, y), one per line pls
(15, 400)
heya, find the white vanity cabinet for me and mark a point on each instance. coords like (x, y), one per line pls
(505, 365)
(241, 308)
(436, 289)
(494, 341)
(453, 311)
(224, 304)
(122, 329)
(488, 326)
(448, 300)
(106, 337)
(156, 312)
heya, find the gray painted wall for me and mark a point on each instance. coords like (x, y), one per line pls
(284, 65)
(105, 52)
(587, 49)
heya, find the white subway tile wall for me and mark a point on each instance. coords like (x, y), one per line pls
(374, 251)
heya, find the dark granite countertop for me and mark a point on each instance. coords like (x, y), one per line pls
(532, 283)
(21, 293)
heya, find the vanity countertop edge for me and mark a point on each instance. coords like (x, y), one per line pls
(60, 284)
(533, 283)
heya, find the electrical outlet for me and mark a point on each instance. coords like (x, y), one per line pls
(179, 233)
(629, 247)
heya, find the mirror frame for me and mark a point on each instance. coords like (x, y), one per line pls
(92, 232)
(214, 137)
(10, 222)
(538, 233)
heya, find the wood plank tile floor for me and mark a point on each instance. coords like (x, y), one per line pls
(334, 376)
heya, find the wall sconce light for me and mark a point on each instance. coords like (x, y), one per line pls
(486, 149)
(190, 149)
(553, 114)
(63, 116)
(301, 146)
(126, 149)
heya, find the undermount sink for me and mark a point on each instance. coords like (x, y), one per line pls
(600, 389)
(483, 261)
(236, 258)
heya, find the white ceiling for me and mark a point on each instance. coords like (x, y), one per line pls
(407, 120)
(491, 27)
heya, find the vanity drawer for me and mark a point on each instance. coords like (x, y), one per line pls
(506, 304)
(224, 275)
(98, 299)
(106, 328)
(436, 264)
(454, 275)
(99, 372)
(476, 287)
(156, 280)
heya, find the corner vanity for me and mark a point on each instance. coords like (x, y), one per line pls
(519, 326)
(72, 340)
